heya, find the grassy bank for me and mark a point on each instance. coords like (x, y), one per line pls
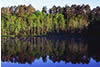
(23, 35)
(54, 35)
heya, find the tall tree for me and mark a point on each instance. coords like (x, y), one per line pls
(44, 9)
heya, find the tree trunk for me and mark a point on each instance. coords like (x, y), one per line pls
(34, 30)
(16, 33)
(38, 31)
(24, 33)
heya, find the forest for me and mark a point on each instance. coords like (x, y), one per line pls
(26, 20)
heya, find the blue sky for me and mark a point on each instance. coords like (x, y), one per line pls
(38, 4)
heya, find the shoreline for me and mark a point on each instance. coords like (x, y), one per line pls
(55, 35)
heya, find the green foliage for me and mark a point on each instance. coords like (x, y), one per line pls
(17, 25)
(24, 20)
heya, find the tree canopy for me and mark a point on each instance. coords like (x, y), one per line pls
(80, 19)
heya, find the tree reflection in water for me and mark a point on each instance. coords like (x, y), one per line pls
(26, 50)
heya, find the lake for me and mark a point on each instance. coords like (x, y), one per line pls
(50, 52)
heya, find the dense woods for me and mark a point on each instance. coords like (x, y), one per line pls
(26, 20)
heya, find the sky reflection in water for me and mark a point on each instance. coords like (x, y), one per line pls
(49, 63)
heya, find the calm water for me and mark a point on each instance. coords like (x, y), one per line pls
(50, 52)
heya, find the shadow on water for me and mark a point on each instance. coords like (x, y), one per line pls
(27, 50)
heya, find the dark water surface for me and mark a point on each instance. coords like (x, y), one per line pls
(50, 52)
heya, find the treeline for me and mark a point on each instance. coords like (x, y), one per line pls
(26, 20)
